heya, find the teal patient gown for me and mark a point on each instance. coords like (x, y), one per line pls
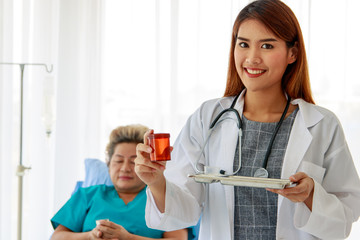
(87, 205)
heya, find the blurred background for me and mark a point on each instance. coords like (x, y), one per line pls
(119, 62)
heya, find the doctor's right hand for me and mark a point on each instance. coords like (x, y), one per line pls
(151, 172)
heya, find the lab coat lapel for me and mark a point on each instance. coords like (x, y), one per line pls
(299, 141)
(228, 136)
(300, 138)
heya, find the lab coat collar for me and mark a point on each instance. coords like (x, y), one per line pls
(310, 115)
(239, 105)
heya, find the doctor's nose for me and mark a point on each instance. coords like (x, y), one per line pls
(254, 61)
(253, 58)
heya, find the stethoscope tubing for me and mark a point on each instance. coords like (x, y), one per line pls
(239, 123)
(278, 125)
(211, 128)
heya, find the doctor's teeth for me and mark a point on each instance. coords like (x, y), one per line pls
(255, 71)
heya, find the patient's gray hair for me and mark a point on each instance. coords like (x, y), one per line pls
(124, 134)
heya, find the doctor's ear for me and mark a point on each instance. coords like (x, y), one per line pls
(293, 52)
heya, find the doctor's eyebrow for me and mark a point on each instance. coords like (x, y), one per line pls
(261, 40)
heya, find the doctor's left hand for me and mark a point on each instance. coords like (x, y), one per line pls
(302, 192)
(112, 230)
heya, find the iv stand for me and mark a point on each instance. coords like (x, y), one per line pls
(20, 172)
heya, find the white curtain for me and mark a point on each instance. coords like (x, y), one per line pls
(135, 61)
(78, 93)
(26, 37)
(66, 34)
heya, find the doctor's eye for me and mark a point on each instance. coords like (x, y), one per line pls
(243, 44)
(267, 46)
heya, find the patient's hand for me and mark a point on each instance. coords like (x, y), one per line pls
(62, 232)
(95, 234)
(112, 230)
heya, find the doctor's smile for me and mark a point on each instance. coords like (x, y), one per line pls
(253, 72)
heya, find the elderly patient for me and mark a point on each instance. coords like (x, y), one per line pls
(112, 212)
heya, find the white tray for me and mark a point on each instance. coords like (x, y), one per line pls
(243, 181)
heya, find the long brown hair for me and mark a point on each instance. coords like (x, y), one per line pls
(279, 19)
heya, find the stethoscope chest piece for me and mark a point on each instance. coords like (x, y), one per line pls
(261, 173)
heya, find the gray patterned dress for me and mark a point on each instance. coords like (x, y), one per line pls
(255, 209)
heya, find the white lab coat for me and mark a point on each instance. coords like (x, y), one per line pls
(316, 146)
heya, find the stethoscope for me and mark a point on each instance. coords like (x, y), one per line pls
(260, 172)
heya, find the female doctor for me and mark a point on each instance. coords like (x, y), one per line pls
(283, 134)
